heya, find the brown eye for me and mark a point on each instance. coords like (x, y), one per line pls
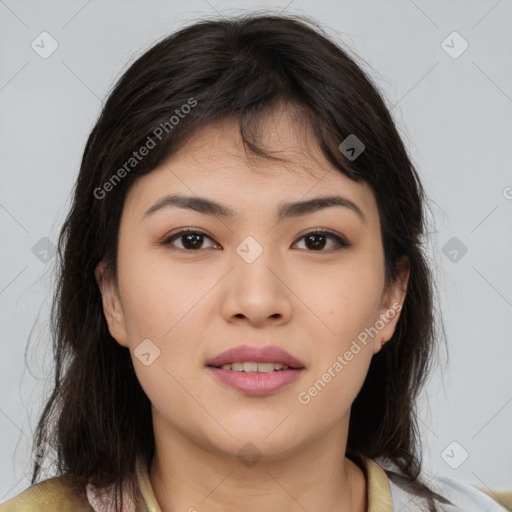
(317, 240)
(190, 240)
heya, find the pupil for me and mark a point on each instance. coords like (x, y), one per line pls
(315, 245)
(192, 245)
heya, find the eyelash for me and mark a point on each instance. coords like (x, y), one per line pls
(340, 240)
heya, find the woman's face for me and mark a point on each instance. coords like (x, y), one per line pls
(252, 278)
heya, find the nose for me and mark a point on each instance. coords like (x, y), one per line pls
(258, 292)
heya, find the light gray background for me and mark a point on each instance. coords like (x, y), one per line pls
(455, 117)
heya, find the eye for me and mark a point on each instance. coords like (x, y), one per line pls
(191, 240)
(315, 240)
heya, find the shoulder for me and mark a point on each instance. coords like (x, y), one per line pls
(462, 496)
(55, 494)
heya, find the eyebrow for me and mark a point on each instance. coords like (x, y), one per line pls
(285, 210)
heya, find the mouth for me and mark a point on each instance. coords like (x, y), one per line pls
(255, 367)
(255, 359)
(256, 370)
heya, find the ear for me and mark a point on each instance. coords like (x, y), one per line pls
(392, 302)
(111, 304)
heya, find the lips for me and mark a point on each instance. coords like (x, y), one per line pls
(245, 353)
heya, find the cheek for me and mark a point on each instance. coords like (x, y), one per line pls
(163, 305)
(157, 296)
(351, 303)
(340, 367)
(346, 298)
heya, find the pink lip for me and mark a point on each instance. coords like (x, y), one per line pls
(257, 383)
(269, 354)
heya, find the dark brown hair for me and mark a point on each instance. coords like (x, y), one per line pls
(98, 418)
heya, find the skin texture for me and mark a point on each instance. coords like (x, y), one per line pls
(193, 305)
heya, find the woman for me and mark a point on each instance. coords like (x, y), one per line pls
(244, 317)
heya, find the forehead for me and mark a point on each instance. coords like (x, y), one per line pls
(214, 163)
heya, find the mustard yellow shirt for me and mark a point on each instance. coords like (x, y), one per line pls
(57, 495)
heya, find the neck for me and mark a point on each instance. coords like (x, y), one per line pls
(316, 476)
